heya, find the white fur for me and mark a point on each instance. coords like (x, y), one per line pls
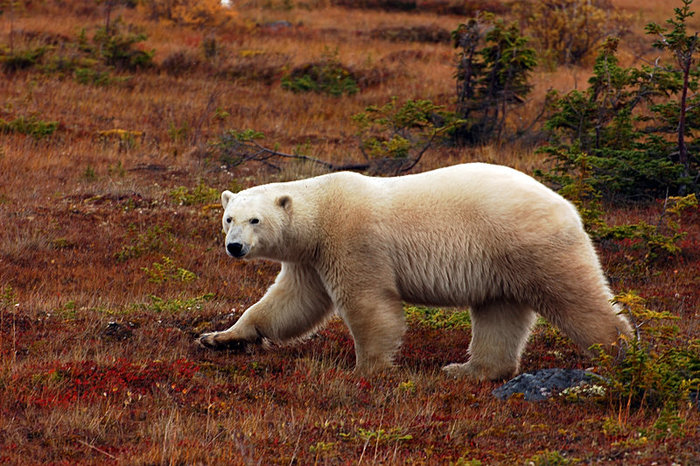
(477, 235)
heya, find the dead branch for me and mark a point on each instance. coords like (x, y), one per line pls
(247, 150)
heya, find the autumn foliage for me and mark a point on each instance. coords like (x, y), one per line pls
(111, 263)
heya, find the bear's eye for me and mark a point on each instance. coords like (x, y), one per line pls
(228, 219)
(253, 221)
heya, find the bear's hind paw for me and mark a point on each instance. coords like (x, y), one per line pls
(458, 371)
(477, 372)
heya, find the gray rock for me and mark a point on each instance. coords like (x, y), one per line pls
(545, 383)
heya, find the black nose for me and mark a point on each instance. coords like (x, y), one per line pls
(235, 249)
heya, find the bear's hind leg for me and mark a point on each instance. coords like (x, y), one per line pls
(499, 334)
(575, 297)
(588, 320)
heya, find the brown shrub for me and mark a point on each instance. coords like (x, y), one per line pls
(462, 7)
(395, 5)
(568, 31)
(427, 34)
(41, 37)
(252, 65)
(199, 13)
(181, 62)
(405, 56)
(371, 77)
(450, 7)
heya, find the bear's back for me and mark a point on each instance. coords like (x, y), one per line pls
(446, 231)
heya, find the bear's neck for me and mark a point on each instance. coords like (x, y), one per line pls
(299, 244)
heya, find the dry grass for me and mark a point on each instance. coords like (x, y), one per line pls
(97, 363)
(645, 11)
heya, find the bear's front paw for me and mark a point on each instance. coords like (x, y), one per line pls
(216, 341)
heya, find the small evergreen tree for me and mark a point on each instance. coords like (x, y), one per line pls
(115, 48)
(605, 124)
(493, 65)
(680, 117)
(633, 150)
(615, 140)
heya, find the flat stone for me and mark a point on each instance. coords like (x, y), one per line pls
(545, 383)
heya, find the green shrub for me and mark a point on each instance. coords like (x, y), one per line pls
(167, 270)
(157, 238)
(657, 370)
(31, 126)
(92, 77)
(21, 59)
(231, 146)
(89, 174)
(8, 299)
(116, 49)
(636, 127)
(397, 136)
(681, 117)
(658, 242)
(327, 76)
(438, 318)
(393, 139)
(201, 194)
(601, 129)
(63, 65)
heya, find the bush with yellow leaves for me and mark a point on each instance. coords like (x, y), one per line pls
(567, 31)
(197, 13)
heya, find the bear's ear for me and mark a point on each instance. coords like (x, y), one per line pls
(284, 201)
(226, 196)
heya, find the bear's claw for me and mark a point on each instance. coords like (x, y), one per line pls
(203, 342)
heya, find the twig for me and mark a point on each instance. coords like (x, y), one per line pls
(545, 105)
(308, 158)
(417, 158)
(166, 433)
(379, 430)
(14, 339)
(214, 438)
(301, 431)
(363, 450)
(663, 210)
(329, 165)
(97, 449)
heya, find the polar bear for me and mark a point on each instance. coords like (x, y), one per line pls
(478, 235)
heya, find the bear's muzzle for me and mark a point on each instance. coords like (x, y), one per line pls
(235, 250)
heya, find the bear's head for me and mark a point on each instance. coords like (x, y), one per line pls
(254, 222)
